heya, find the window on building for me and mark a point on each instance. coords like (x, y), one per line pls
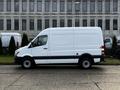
(31, 5)
(47, 5)
(69, 5)
(39, 5)
(39, 24)
(54, 5)
(92, 6)
(107, 6)
(77, 5)
(16, 5)
(24, 5)
(54, 23)
(24, 24)
(77, 23)
(115, 5)
(69, 23)
(84, 22)
(62, 23)
(107, 24)
(1, 5)
(62, 5)
(8, 5)
(84, 6)
(46, 23)
(115, 24)
(31, 24)
(8, 24)
(100, 23)
(92, 22)
(16, 24)
(99, 5)
(1, 24)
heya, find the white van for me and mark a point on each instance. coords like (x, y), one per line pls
(68, 45)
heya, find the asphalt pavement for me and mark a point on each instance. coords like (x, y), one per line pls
(100, 77)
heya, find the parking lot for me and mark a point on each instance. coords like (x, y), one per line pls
(100, 77)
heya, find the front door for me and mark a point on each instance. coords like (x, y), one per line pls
(39, 48)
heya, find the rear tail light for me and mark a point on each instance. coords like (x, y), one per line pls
(103, 50)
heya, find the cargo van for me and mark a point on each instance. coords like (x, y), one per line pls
(68, 45)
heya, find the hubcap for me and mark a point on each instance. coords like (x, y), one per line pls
(86, 64)
(27, 64)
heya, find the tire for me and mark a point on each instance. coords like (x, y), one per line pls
(28, 63)
(86, 63)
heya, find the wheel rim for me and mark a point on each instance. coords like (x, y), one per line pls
(86, 64)
(27, 64)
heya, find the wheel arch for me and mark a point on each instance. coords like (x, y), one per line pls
(86, 55)
(28, 57)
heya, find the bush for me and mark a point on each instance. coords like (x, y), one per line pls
(114, 46)
(24, 40)
(12, 47)
(1, 49)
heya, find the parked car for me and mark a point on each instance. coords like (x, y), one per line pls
(5, 37)
(108, 42)
(118, 40)
(69, 45)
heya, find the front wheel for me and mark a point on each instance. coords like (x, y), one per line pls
(86, 63)
(27, 64)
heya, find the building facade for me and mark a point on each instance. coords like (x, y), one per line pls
(32, 16)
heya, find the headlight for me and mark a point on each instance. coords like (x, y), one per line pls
(16, 53)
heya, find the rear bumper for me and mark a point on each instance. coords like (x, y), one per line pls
(99, 58)
(102, 59)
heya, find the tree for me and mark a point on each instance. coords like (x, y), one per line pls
(12, 46)
(1, 49)
(24, 40)
(114, 46)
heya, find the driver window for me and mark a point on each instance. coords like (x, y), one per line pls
(39, 41)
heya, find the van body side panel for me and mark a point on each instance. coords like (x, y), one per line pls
(62, 44)
(75, 42)
(88, 42)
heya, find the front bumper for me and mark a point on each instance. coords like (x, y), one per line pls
(18, 60)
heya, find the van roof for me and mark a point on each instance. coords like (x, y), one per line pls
(10, 33)
(65, 29)
(77, 28)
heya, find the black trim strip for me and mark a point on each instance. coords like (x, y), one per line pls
(62, 57)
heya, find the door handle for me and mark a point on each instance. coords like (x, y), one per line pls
(45, 48)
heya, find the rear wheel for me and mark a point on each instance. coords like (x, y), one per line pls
(28, 63)
(86, 63)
